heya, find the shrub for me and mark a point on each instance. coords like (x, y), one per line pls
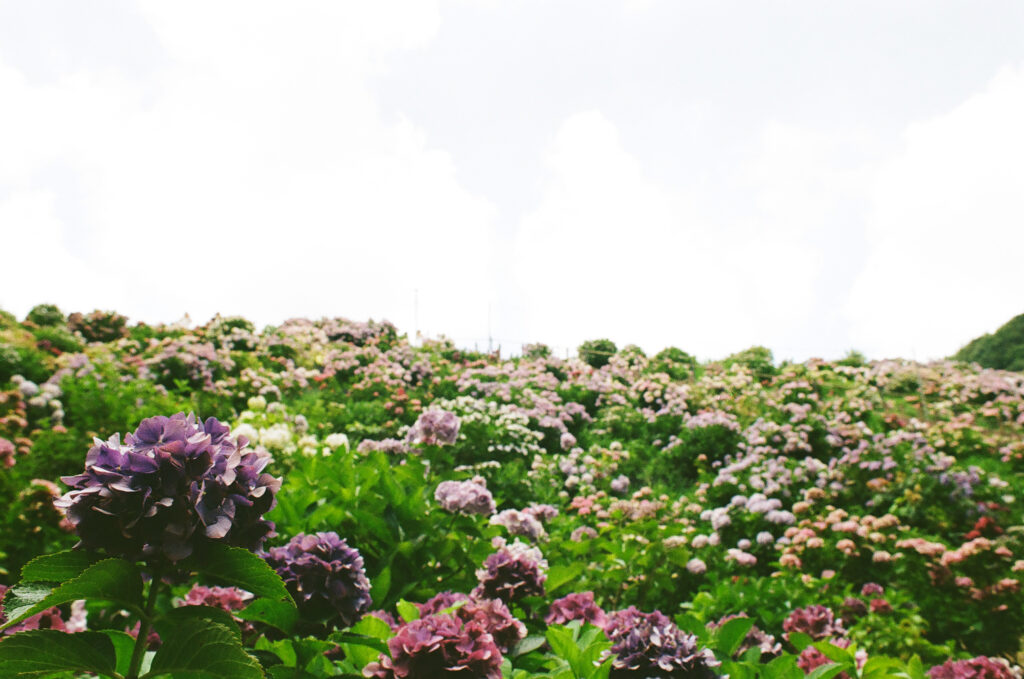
(45, 315)
(596, 353)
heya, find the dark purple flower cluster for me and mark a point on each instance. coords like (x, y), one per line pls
(816, 621)
(172, 484)
(576, 606)
(980, 667)
(48, 619)
(435, 428)
(650, 646)
(325, 576)
(439, 646)
(492, 614)
(512, 572)
(755, 638)
(465, 497)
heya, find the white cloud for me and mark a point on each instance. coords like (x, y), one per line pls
(251, 174)
(610, 253)
(946, 230)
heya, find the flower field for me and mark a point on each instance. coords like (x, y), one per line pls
(323, 498)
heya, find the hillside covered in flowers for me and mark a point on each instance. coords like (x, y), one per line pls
(433, 511)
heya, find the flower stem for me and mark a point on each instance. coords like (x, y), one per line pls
(145, 625)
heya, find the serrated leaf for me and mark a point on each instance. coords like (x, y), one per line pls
(240, 568)
(58, 567)
(800, 640)
(187, 615)
(278, 614)
(834, 653)
(562, 643)
(110, 580)
(203, 650)
(731, 635)
(39, 653)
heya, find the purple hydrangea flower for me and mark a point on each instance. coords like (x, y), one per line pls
(171, 485)
(441, 602)
(519, 523)
(325, 576)
(512, 572)
(435, 428)
(439, 646)
(872, 589)
(853, 609)
(755, 638)
(225, 598)
(576, 606)
(649, 645)
(980, 667)
(542, 512)
(816, 621)
(465, 497)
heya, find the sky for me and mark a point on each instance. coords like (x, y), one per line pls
(813, 176)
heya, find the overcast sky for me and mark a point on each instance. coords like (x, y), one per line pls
(812, 176)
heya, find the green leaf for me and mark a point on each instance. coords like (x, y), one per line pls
(374, 627)
(39, 653)
(835, 653)
(530, 643)
(562, 575)
(278, 614)
(110, 580)
(203, 650)
(407, 611)
(190, 615)
(562, 643)
(731, 634)
(827, 671)
(124, 644)
(380, 585)
(58, 567)
(240, 568)
(800, 640)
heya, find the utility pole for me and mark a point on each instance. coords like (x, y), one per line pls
(490, 341)
(416, 314)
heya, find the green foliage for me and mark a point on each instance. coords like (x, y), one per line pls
(99, 326)
(45, 315)
(596, 353)
(1003, 349)
(677, 363)
(757, 360)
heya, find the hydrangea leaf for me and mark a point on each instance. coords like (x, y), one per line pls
(827, 671)
(188, 615)
(40, 653)
(109, 580)
(731, 635)
(203, 650)
(58, 567)
(278, 614)
(240, 568)
(124, 644)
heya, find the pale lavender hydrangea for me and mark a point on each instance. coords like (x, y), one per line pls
(542, 512)
(512, 572)
(620, 484)
(464, 497)
(650, 646)
(583, 533)
(576, 606)
(325, 576)
(519, 523)
(173, 484)
(435, 428)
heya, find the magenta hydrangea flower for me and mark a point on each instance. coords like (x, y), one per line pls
(492, 614)
(225, 598)
(576, 606)
(816, 621)
(173, 484)
(980, 667)
(439, 646)
(650, 646)
(511, 573)
(464, 497)
(325, 576)
(872, 589)
(435, 428)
